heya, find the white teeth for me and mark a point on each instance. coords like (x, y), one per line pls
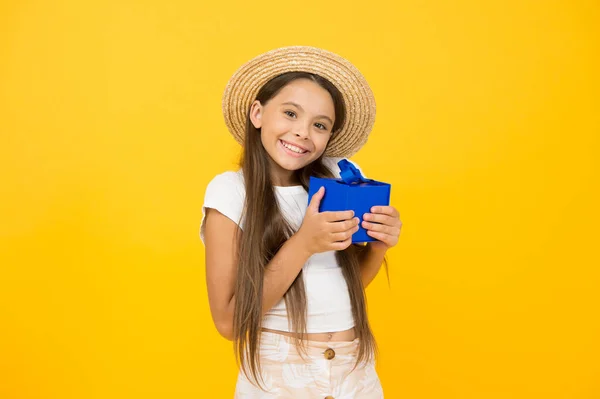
(293, 148)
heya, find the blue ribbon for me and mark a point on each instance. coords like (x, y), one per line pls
(350, 174)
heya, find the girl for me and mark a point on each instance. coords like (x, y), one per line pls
(285, 283)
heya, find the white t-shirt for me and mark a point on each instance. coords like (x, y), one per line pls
(328, 301)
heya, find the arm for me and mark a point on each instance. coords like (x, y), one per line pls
(319, 232)
(370, 262)
(221, 265)
(383, 224)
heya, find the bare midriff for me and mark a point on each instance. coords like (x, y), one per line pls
(346, 335)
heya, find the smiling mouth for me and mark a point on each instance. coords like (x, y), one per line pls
(293, 148)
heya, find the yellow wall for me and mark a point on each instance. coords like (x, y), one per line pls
(487, 127)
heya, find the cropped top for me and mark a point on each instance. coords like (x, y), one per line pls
(328, 302)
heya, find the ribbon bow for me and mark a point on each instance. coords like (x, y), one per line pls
(350, 174)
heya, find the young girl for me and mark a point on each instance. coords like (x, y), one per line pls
(285, 282)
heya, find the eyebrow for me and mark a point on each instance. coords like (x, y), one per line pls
(301, 109)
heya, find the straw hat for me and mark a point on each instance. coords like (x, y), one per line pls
(243, 86)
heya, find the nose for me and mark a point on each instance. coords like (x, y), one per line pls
(302, 134)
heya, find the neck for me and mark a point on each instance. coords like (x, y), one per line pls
(282, 177)
(284, 181)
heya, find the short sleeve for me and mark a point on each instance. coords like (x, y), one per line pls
(332, 164)
(225, 193)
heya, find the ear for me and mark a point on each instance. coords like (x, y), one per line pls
(256, 111)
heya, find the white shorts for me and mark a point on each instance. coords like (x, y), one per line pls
(325, 372)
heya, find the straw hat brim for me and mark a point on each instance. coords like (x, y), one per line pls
(243, 86)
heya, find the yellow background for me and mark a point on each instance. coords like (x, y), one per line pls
(487, 127)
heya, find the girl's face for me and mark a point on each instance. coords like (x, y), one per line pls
(295, 126)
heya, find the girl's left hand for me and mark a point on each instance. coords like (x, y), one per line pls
(383, 224)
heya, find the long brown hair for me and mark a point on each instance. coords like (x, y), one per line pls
(266, 230)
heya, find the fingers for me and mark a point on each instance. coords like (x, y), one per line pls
(382, 219)
(382, 228)
(337, 216)
(383, 224)
(386, 210)
(387, 239)
(341, 245)
(315, 201)
(344, 235)
(342, 226)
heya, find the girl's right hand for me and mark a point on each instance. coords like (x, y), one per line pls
(326, 231)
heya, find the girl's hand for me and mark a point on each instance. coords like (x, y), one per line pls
(326, 231)
(383, 224)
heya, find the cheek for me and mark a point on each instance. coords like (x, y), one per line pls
(279, 125)
(321, 141)
(274, 126)
(270, 134)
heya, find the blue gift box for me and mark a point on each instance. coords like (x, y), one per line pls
(351, 192)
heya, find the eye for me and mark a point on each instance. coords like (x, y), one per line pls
(289, 112)
(323, 126)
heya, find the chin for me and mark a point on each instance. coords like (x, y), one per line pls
(293, 164)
